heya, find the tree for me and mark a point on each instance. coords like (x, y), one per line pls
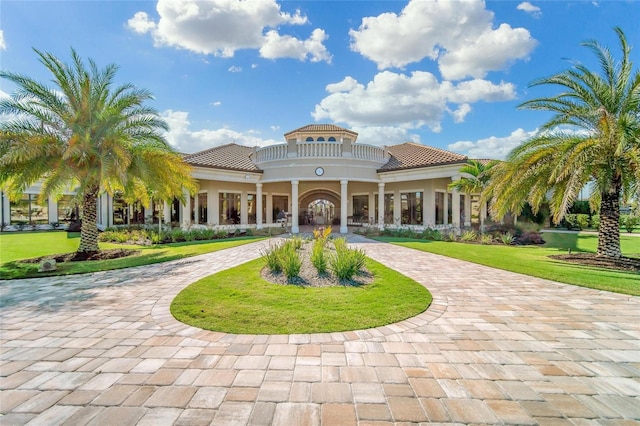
(87, 134)
(592, 138)
(475, 179)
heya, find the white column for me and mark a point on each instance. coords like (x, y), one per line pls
(445, 209)
(397, 207)
(467, 210)
(166, 212)
(294, 207)
(381, 205)
(148, 211)
(371, 206)
(343, 206)
(258, 206)
(244, 208)
(429, 215)
(53, 210)
(455, 208)
(5, 214)
(213, 199)
(186, 210)
(196, 208)
(269, 209)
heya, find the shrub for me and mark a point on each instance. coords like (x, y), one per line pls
(177, 235)
(469, 235)
(595, 221)
(629, 222)
(528, 238)
(319, 257)
(451, 236)
(347, 262)
(271, 257)
(290, 260)
(506, 238)
(486, 239)
(340, 244)
(577, 221)
(431, 234)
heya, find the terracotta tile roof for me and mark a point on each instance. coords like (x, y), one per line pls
(411, 155)
(316, 128)
(230, 157)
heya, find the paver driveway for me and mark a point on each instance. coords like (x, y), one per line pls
(494, 347)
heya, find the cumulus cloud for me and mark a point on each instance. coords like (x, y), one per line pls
(529, 8)
(235, 68)
(220, 27)
(385, 135)
(408, 101)
(494, 147)
(458, 35)
(279, 46)
(185, 140)
(3, 45)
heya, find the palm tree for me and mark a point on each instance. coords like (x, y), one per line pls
(592, 138)
(86, 134)
(476, 176)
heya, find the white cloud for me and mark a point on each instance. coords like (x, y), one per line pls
(529, 8)
(220, 27)
(458, 35)
(3, 45)
(493, 147)
(279, 46)
(185, 140)
(408, 101)
(216, 103)
(385, 135)
(234, 68)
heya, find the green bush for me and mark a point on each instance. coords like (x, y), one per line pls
(319, 257)
(271, 257)
(506, 238)
(595, 221)
(577, 221)
(290, 260)
(469, 235)
(346, 262)
(629, 222)
(431, 234)
(486, 239)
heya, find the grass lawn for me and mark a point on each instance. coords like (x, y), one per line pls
(25, 245)
(240, 301)
(534, 261)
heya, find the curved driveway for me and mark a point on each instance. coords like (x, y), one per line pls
(494, 347)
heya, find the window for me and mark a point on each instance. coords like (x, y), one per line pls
(229, 208)
(320, 139)
(137, 217)
(309, 139)
(252, 208)
(27, 210)
(202, 208)
(67, 209)
(331, 139)
(361, 208)
(120, 211)
(439, 208)
(449, 208)
(175, 211)
(158, 210)
(411, 207)
(280, 204)
(388, 208)
(462, 204)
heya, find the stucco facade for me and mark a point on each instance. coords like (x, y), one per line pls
(320, 175)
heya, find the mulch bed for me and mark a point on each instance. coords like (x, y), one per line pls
(101, 255)
(590, 259)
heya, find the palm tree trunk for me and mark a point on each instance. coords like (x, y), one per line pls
(89, 229)
(609, 231)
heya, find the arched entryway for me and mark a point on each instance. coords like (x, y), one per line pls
(319, 207)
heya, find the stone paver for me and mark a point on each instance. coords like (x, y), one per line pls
(493, 347)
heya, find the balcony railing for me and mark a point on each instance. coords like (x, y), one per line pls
(319, 150)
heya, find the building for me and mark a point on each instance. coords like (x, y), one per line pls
(321, 175)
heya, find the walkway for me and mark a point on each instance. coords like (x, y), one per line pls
(494, 347)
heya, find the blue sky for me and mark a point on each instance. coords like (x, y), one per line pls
(446, 74)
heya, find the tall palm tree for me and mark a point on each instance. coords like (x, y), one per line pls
(592, 138)
(88, 134)
(475, 178)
